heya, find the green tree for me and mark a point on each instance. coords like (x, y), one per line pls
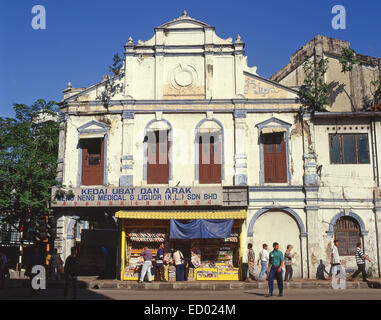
(314, 93)
(111, 82)
(28, 159)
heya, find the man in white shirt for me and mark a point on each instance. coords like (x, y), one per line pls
(179, 264)
(263, 260)
(335, 260)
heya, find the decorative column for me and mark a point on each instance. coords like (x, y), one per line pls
(127, 159)
(240, 157)
(61, 147)
(238, 67)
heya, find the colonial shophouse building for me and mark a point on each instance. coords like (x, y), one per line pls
(196, 134)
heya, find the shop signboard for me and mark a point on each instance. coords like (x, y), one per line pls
(137, 196)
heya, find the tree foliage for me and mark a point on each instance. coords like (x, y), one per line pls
(111, 82)
(314, 93)
(28, 160)
(348, 59)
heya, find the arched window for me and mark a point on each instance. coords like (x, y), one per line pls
(347, 231)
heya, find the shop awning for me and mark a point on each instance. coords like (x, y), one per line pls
(182, 215)
(201, 229)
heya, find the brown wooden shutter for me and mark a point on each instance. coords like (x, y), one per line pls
(210, 158)
(274, 157)
(92, 161)
(157, 158)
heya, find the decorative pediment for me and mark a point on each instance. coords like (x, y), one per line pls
(93, 127)
(273, 123)
(184, 21)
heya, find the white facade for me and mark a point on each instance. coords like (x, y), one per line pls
(185, 79)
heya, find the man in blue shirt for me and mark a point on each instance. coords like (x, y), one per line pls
(274, 270)
(159, 265)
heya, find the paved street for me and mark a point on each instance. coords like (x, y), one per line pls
(253, 294)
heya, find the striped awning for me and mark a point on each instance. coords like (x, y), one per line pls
(182, 215)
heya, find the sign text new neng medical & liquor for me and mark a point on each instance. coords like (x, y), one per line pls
(138, 196)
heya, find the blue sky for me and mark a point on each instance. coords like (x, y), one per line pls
(82, 36)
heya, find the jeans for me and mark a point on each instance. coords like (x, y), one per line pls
(361, 268)
(146, 269)
(288, 273)
(74, 284)
(159, 272)
(263, 269)
(278, 276)
(180, 272)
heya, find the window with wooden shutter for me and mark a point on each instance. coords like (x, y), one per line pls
(349, 148)
(347, 232)
(157, 157)
(92, 161)
(274, 157)
(210, 158)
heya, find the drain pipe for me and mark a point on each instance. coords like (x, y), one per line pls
(376, 178)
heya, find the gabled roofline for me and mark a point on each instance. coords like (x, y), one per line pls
(275, 84)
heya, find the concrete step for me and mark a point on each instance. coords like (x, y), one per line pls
(192, 285)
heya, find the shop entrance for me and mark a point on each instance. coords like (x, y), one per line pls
(205, 259)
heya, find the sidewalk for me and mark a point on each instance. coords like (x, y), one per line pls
(94, 283)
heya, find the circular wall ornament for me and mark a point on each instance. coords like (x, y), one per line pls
(183, 78)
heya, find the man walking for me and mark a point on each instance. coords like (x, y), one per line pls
(55, 265)
(159, 266)
(360, 260)
(288, 263)
(263, 260)
(251, 263)
(147, 266)
(335, 260)
(71, 270)
(274, 270)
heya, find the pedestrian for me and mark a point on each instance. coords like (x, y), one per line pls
(159, 266)
(4, 271)
(263, 260)
(250, 263)
(288, 262)
(274, 270)
(147, 265)
(71, 273)
(179, 264)
(106, 258)
(335, 260)
(55, 265)
(360, 260)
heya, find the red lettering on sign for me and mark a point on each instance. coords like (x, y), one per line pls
(87, 203)
(198, 202)
(174, 202)
(209, 201)
(186, 202)
(136, 203)
(64, 203)
(147, 203)
(122, 203)
(98, 203)
(159, 203)
(75, 203)
(110, 203)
